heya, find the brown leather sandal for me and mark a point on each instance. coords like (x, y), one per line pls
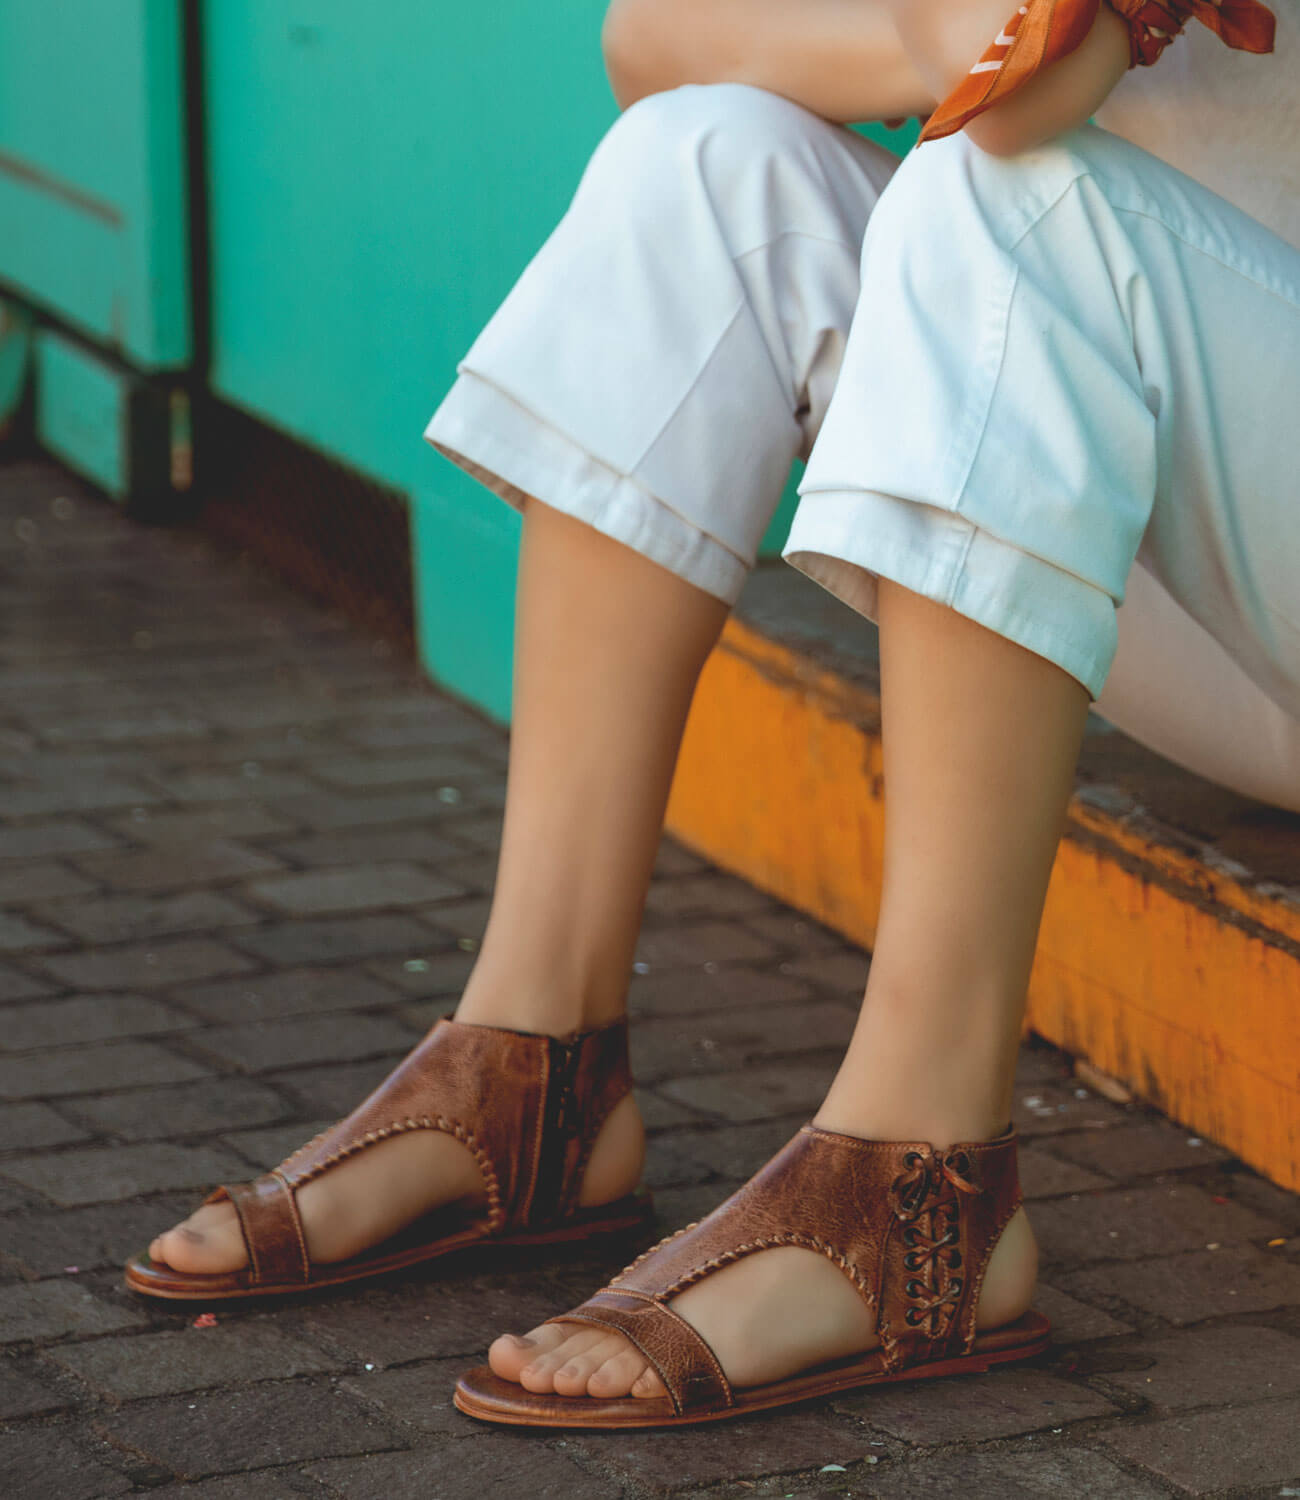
(913, 1228)
(528, 1106)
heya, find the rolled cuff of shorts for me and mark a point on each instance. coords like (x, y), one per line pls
(516, 454)
(849, 539)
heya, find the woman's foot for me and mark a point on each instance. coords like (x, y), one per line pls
(360, 1202)
(766, 1317)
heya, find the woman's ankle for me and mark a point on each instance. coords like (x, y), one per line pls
(539, 1005)
(940, 1126)
(535, 1020)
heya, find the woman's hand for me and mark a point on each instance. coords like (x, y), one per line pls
(943, 41)
(849, 60)
(842, 59)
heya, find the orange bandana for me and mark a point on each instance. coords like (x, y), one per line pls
(1042, 31)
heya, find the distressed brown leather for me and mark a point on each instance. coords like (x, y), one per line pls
(603, 1076)
(912, 1228)
(687, 1366)
(528, 1106)
(273, 1234)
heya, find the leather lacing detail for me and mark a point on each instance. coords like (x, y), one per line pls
(925, 1199)
(491, 1183)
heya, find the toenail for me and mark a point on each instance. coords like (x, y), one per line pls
(193, 1235)
(520, 1343)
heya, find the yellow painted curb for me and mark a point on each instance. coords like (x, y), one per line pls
(1158, 969)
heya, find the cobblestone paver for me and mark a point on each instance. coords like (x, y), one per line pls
(244, 860)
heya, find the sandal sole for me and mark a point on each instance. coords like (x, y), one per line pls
(145, 1280)
(482, 1395)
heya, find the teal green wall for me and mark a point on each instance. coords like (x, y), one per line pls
(377, 180)
(15, 357)
(81, 412)
(93, 225)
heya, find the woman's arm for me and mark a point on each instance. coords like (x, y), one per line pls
(943, 41)
(842, 59)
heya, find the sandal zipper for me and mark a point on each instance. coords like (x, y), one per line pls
(559, 1125)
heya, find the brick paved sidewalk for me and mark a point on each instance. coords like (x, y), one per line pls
(244, 859)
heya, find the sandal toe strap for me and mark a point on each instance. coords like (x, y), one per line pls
(268, 1215)
(687, 1366)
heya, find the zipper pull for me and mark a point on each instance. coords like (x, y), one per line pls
(559, 1126)
(562, 1121)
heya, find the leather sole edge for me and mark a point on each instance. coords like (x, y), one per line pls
(791, 1392)
(631, 1221)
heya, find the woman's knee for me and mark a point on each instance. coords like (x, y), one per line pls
(962, 237)
(734, 118)
(949, 195)
(719, 139)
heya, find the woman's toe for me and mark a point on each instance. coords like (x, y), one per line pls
(574, 1361)
(618, 1375)
(538, 1375)
(183, 1248)
(648, 1385)
(209, 1241)
(511, 1353)
(572, 1378)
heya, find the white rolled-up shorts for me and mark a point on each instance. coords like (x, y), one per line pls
(1055, 392)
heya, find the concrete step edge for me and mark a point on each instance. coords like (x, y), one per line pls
(1176, 973)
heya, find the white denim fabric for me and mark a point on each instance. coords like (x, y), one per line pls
(1055, 392)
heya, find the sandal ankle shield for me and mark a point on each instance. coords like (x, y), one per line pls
(527, 1106)
(912, 1227)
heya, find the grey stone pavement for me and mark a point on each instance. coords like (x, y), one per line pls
(245, 855)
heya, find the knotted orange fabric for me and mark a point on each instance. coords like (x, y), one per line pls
(1042, 31)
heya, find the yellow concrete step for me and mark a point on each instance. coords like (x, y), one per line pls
(1170, 948)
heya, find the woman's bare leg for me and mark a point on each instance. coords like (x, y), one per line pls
(980, 743)
(608, 649)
